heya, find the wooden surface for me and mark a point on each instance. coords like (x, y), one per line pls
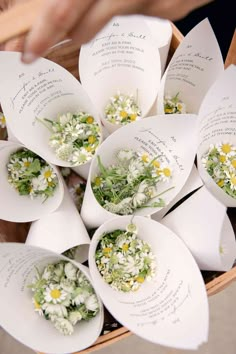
(231, 56)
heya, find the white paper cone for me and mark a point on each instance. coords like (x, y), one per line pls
(201, 222)
(161, 34)
(40, 90)
(17, 264)
(19, 208)
(61, 230)
(193, 182)
(217, 124)
(83, 170)
(194, 67)
(160, 135)
(121, 58)
(171, 309)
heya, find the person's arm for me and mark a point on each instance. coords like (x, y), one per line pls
(82, 19)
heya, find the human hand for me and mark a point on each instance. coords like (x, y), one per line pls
(80, 20)
(15, 44)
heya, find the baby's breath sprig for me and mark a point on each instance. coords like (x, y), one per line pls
(220, 163)
(131, 183)
(75, 137)
(63, 295)
(124, 260)
(173, 105)
(30, 175)
(122, 109)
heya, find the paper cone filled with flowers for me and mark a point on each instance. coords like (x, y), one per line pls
(51, 105)
(130, 75)
(139, 169)
(217, 139)
(135, 270)
(193, 68)
(30, 186)
(64, 313)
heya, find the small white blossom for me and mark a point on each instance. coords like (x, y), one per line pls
(91, 303)
(74, 317)
(55, 309)
(63, 325)
(70, 271)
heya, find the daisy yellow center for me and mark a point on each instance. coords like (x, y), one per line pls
(133, 116)
(221, 183)
(91, 139)
(48, 174)
(145, 158)
(89, 148)
(3, 120)
(125, 247)
(168, 110)
(233, 163)
(55, 294)
(140, 279)
(222, 158)
(90, 120)
(226, 148)
(106, 251)
(166, 172)
(36, 305)
(156, 163)
(123, 114)
(97, 181)
(26, 163)
(233, 180)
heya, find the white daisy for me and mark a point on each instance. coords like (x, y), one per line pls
(54, 294)
(55, 309)
(48, 174)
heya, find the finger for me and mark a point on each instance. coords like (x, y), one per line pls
(15, 45)
(99, 14)
(57, 19)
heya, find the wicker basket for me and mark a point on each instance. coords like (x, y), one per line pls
(66, 55)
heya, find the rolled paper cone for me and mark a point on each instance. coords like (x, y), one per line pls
(166, 136)
(209, 236)
(18, 264)
(11, 137)
(82, 170)
(41, 90)
(193, 182)
(132, 61)
(61, 230)
(171, 309)
(217, 118)
(194, 67)
(21, 208)
(161, 34)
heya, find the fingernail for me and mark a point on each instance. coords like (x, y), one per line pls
(28, 57)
